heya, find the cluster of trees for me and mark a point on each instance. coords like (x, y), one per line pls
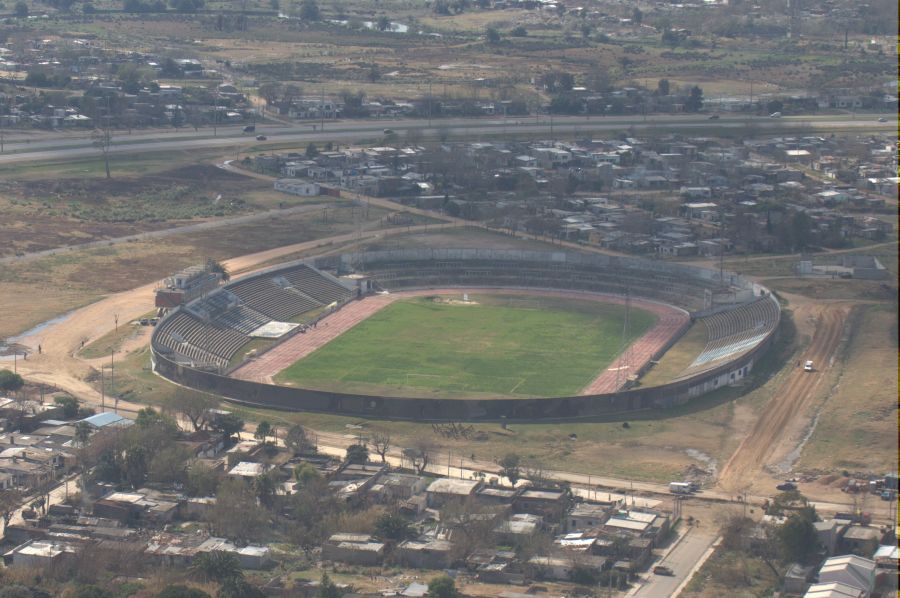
(147, 6)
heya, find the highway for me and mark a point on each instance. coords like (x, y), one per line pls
(75, 145)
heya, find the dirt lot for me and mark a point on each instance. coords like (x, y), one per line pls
(47, 212)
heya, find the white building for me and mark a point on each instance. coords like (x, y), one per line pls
(295, 187)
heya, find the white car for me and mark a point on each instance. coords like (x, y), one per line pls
(808, 366)
(775, 115)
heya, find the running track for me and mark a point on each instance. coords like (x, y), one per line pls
(670, 322)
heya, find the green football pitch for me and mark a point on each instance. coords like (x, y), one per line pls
(529, 346)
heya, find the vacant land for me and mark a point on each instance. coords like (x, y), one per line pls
(856, 426)
(69, 207)
(501, 345)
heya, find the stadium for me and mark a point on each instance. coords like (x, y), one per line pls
(392, 334)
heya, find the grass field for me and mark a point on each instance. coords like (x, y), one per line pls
(502, 345)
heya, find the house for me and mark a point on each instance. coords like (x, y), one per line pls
(585, 516)
(854, 571)
(441, 491)
(107, 420)
(425, 553)
(295, 187)
(247, 470)
(796, 580)
(353, 549)
(550, 504)
(833, 590)
(828, 532)
(860, 539)
(394, 487)
(39, 553)
(518, 528)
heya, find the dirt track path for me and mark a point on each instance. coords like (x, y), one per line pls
(790, 404)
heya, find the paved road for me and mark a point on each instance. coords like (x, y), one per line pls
(67, 146)
(685, 558)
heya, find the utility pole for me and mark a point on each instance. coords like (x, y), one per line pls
(216, 112)
(430, 104)
(322, 111)
(102, 391)
(112, 372)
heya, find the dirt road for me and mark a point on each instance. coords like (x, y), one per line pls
(790, 403)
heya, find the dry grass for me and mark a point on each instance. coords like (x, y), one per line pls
(857, 426)
(679, 357)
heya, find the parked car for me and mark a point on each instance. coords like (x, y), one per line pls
(714, 117)
(786, 486)
(663, 570)
(249, 128)
(775, 115)
(261, 137)
(882, 120)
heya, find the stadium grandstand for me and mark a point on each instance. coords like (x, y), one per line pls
(209, 331)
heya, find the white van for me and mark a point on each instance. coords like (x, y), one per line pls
(808, 366)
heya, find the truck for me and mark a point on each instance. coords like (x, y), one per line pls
(679, 487)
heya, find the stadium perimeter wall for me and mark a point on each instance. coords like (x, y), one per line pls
(272, 396)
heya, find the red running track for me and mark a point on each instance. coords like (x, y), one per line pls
(670, 321)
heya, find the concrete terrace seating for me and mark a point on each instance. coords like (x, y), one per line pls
(267, 297)
(730, 333)
(315, 284)
(243, 319)
(667, 288)
(197, 340)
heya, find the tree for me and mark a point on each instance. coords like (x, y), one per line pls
(392, 527)
(509, 467)
(309, 11)
(92, 591)
(327, 588)
(419, 453)
(69, 405)
(311, 150)
(218, 566)
(519, 31)
(637, 15)
(383, 23)
(10, 382)
(15, 591)
(357, 453)
(102, 140)
(442, 586)
(195, 407)
(228, 424)
(263, 431)
(186, 5)
(304, 472)
(797, 539)
(21, 10)
(148, 418)
(492, 36)
(774, 106)
(181, 591)
(170, 465)
(297, 441)
(239, 588)
(694, 103)
(236, 513)
(662, 87)
(381, 442)
(217, 267)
